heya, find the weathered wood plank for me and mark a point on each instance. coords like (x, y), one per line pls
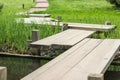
(71, 58)
(53, 62)
(41, 5)
(83, 26)
(49, 40)
(69, 38)
(35, 10)
(97, 27)
(72, 40)
(39, 15)
(96, 62)
(37, 1)
(89, 56)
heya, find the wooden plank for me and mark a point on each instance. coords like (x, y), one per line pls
(37, 9)
(39, 15)
(65, 64)
(74, 39)
(65, 40)
(98, 27)
(49, 40)
(41, 5)
(96, 62)
(37, 1)
(69, 37)
(35, 20)
(54, 61)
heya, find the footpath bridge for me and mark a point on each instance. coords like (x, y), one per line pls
(91, 56)
(87, 59)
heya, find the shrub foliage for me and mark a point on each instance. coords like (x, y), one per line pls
(115, 2)
(1, 6)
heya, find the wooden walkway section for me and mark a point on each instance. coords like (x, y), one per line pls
(96, 27)
(68, 37)
(39, 15)
(41, 5)
(87, 57)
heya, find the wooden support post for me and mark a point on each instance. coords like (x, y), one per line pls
(95, 77)
(3, 73)
(33, 0)
(23, 6)
(107, 23)
(28, 42)
(35, 35)
(59, 18)
(64, 27)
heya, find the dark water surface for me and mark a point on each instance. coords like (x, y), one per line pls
(17, 68)
(112, 75)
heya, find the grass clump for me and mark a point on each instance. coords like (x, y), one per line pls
(14, 36)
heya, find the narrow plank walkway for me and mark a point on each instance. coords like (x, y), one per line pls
(39, 15)
(88, 56)
(41, 5)
(35, 19)
(96, 27)
(41, 1)
(68, 37)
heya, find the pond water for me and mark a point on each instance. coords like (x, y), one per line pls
(112, 75)
(17, 68)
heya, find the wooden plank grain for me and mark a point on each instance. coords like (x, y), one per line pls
(76, 38)
(86, 57)
(52, 62)
(68, 37)
(73, 35)
(51, 39)
(63, 66)
(97, 27)
(96, 62)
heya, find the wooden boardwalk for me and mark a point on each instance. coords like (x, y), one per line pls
(39, 15)
(87, 57)
(96, 27)
(68, 37)
(41, 5)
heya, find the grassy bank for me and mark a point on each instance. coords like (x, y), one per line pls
(86, 11)
(14, 36)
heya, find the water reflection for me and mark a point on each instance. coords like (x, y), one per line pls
(19, 67)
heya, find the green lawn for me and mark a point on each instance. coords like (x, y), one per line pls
(16, 5)
(14, 36)
(86, 11)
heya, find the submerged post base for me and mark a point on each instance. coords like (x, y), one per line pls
(3, 73)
